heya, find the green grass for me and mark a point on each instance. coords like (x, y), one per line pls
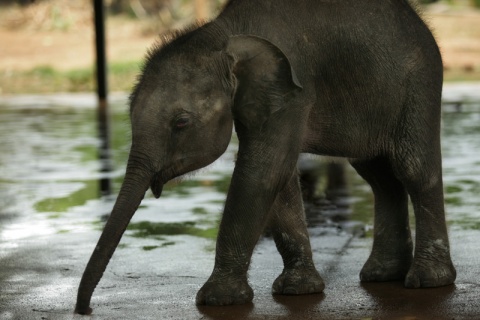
(145, 229)
(46, 79)
(57, 206)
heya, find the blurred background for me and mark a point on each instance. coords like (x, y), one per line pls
(47, 45)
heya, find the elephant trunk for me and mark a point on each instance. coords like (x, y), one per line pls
(133, 190)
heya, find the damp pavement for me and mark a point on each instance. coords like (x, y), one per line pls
(46, 237)
(40, 278)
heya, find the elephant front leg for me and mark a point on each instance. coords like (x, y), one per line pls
(228, 282)
(225, 287)
(247, 208)
(290, 233)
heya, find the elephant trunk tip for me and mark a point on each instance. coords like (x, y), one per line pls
(82, 306)
(85, 311)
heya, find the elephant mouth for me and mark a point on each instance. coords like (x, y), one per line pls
(181, 167)
(156, 184)
(160, 178)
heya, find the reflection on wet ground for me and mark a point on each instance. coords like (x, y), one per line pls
(49, 168)
(50, 182)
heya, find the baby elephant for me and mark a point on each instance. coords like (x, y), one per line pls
(360, 79)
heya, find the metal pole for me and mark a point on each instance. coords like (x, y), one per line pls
(102, 111)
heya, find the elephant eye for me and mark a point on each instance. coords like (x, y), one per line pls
(182, 122)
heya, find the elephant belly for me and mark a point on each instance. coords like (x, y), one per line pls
(348, 131)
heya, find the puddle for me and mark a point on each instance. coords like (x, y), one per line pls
(50, 175)
(461, 156)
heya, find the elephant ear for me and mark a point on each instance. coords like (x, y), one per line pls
(265, 80)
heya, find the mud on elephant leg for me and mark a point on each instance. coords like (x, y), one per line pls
(289, 230)
(391, 254)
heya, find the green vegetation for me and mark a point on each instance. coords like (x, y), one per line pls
(199, 210)
(184, 188)
(77, 198)
(466, 224)
(47, 79)
(453, 201)
(156, 230)
(149, 248)
(453, 189)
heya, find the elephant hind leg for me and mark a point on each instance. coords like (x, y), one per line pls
(391, 254)
(421, 174)
(290, 233)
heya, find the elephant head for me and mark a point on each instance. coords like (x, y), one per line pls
(182, 111)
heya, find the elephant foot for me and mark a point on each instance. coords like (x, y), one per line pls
(384, 269)
(298, 281)
(430, 273)
(223, 291)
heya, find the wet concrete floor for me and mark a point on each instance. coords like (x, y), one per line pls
(40, 276)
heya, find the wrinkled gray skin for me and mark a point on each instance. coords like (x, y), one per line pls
(359, 79)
